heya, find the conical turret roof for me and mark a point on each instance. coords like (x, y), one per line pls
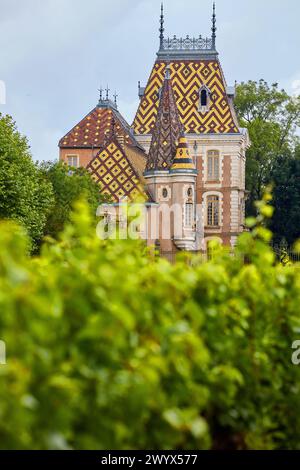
(183, 161)
(166, 131)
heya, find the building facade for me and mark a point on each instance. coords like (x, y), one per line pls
(206, 111)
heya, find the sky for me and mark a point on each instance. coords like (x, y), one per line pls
(55, 54)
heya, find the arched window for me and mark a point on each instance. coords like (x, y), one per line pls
(203, 97)
(213, 211)
(213, 165)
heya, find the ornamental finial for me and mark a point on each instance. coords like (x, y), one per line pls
(214, 28)
(115, 98)
(100, 93)
(107, 93)
(161, 29)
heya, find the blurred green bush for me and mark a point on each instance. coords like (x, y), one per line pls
(108, 348)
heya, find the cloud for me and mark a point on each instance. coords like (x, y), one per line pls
(296, 87)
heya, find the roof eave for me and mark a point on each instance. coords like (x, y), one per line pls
(187, 54)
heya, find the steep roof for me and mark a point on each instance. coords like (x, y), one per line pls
(166, 130)
(188, 75)
(94, 128)
(119, 170)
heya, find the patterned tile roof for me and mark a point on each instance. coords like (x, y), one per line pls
(166, 131)
(119, 170)
(93, 130)
(187, 77)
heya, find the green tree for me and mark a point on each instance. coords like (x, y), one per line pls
(25, 194)
(286, 194)
(271, 117)
(68, 186)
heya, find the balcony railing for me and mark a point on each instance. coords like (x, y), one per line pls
(188, 44)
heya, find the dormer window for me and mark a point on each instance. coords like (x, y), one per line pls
(204, 99)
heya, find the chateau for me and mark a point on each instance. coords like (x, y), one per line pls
(183, 156)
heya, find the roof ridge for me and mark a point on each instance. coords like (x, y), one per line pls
(90, 131)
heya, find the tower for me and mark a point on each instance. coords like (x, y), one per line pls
(170, 177)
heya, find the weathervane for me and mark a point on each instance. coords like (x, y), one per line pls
(161, 29)
(115, 98)
(214, 28)
(107, 92)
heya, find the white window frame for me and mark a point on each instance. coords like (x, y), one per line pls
(188, 214)
(213, 214)
(71, 156)
(213, 165)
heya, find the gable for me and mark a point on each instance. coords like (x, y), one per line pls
(115, 173)
(187, 77)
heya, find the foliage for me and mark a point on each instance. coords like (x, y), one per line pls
(25, 195)
(39, 197)
(68, 186)
(108, 348)
(271, 117)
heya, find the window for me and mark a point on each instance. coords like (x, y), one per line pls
(242, 211)
(213, 211)
(189, 214)
(73, 161)
(204, 99)
(213, 165)
(190, 192)
(165, 193)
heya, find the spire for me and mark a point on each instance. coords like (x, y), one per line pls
(166, 130)
(214, 27)
(183, 161)
(161, 29)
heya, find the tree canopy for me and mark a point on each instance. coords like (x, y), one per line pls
(68, 186)
(285, 176)
(271, 117)
(38, 196)
(25, 194)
